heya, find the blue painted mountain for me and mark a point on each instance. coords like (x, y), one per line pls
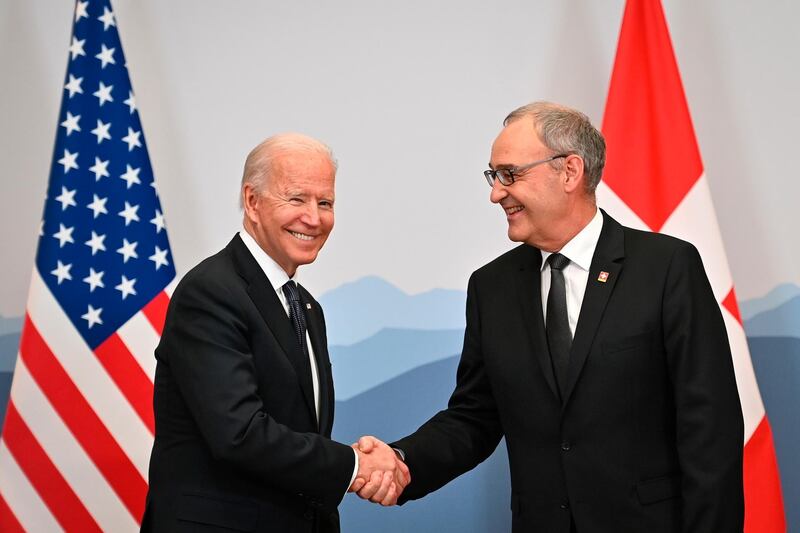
(10, 325)
(388, 354)
(5, 390)
(357, 310)
(774, 298)
(395, 409)
(783, 321)
(9, 346)
(776, 362)
(10, 330)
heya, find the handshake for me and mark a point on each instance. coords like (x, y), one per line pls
(382, 475)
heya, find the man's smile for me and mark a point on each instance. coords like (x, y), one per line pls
(301, 236)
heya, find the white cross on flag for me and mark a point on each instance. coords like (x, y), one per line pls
(79, 427)
(654, 180)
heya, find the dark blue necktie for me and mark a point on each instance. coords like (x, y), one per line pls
(296, 313)
(559, 337)
(299, 322)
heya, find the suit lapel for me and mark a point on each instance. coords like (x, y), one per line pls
(608, 258)
(315, 322)
(274, 315)
(529, 292)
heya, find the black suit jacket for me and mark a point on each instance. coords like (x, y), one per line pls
(237, 444)
(649, 434)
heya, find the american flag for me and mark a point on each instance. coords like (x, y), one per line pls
(77, 436)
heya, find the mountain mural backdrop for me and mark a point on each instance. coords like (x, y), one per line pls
(394, 359)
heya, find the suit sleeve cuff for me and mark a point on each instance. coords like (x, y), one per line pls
(355, 473)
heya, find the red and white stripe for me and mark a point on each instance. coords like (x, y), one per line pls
(79, 429)
(655, 180)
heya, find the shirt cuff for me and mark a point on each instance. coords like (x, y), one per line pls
(355, 473)
(401, 453)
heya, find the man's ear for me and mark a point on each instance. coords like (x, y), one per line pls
(250, 199)
(573, 172)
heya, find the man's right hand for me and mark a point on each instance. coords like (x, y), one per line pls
(382, 475)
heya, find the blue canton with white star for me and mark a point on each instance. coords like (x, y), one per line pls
(103, 249)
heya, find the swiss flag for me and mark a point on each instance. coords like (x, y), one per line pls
(654, 179)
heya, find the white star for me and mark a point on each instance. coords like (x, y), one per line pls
(126, 287)
(76, 48)
(80, 10)
(92, 316)
(103, 93)
(67, 198)
(107, 18)
(96, 242)
(132, 138)
(100, 168)
(64, 235)
(94, 279)
(98, 206)
(101, 131)
(62, 272)
(71, 123)
(69, 160)
(129, 213)
(74, 85)
(130, 102)
(159, 257)
(106, 56)
(131, 175)
(158, 220)
(128, 250)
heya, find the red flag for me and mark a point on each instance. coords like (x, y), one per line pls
(654, 179)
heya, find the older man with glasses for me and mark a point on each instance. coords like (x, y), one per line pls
(598, 351)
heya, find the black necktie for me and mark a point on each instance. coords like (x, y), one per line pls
(298, 319)
(559, 338)
(296, 313)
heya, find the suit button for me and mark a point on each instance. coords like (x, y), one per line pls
(309, 514)
(565, 446)
(565, 506)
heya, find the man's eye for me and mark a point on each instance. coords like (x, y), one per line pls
(296, 200)
(326, 204)
(506, 173)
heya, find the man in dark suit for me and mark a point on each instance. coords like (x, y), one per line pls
(243, 389)
(598, 351)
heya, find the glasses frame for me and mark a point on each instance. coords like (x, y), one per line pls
(492, 175)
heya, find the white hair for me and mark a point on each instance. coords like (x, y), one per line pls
(259, 163)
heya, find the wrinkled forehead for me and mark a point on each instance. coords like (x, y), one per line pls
(303, 168)
(516, 143)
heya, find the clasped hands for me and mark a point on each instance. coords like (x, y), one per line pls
(382, 475)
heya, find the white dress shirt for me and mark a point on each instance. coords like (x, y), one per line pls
(277, 278)
(579, 250)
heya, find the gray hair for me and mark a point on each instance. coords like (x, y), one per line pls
(259, 163)
(567, 131)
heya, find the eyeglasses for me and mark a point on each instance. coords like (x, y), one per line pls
(508, 175)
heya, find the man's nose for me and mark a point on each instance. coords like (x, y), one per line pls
(498, 192)
(311, 216)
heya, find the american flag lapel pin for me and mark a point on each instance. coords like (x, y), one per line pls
(308, 306)
(603, 277)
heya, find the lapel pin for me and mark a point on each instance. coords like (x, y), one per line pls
(308, 306)
(603, 277)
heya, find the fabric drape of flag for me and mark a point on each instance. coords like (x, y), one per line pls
(654, 179)
(79, 428)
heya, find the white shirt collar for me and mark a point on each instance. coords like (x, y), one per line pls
(274, 272)
(580, 249)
